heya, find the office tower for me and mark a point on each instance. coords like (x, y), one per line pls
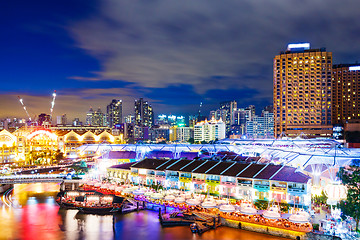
(129, 119)
(95, 118)
(90, 117)
(346, 93)
(144, 116)
(261, 126)
(114, 112)
(226, 111)
(98, 118)
(76, 122)
(302, 91)
(62, 120)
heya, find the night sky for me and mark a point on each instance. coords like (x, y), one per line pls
(173, 53)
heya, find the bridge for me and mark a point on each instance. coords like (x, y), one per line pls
(31, 178)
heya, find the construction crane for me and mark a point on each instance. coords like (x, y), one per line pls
(51, 108)
(52, 104)
(23, 105)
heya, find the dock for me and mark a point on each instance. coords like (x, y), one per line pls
(131, 205)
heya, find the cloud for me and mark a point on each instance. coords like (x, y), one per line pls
(73, 102)
(210, 45)
(80, 78)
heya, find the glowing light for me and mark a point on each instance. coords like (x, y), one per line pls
(298, 45)
(354, 68)
(51, 135)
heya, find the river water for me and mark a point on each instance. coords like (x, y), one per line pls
(34, 214)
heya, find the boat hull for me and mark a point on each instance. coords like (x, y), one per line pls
(99, 210)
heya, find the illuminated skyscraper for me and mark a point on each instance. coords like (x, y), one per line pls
(144, 116)
(302, 91)
(346, 93)
(227, 110)
(114, 112)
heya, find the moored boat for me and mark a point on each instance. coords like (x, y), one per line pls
(96, 204)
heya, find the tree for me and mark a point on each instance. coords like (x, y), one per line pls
(351, 179)
(191, 140)
(320, 199)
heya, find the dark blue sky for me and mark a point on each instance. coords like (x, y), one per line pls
(173, 53)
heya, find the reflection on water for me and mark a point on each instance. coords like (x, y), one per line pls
(40, 218)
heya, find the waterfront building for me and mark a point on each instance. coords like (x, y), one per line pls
(345, 93)
(114, 113)
(25, 143)
(249, 181)
(302, 91)
(209, 130)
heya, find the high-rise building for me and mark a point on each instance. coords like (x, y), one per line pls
(209, 130)
(95, 118)
(226, 110)
(302, 91)
(62, 120)
(181, 134)
(99, 118)
(114, 112)
(90, 117)
(261, 126)
(346, 93)
(144, 115)
(130, 119)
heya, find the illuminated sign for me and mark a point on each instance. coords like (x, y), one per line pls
(298, 45)
(354, 68)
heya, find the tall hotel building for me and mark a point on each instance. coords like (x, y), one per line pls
(346, 93)
(302, 91)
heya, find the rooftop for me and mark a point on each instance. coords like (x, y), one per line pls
(226, 168)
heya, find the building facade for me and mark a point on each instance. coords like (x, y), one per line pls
(144, 115)
(114, 113)
(247, 181)
(181, 134)
(209, 130)
(261, 126)
(346, 93)
(302, 91)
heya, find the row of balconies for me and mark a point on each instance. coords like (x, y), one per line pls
(265, 185)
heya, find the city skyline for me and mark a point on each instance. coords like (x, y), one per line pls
(93, 52)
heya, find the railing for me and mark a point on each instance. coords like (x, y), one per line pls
(296, 190)
(278, 188)
(261, 187)
(30, 178)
